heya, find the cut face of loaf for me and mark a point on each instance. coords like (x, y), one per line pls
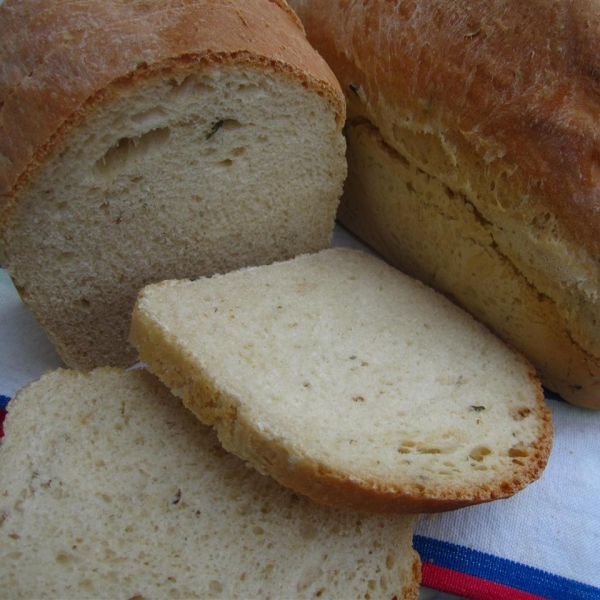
(349, 382)
(112, 489)
(473, 161)
(213, 143)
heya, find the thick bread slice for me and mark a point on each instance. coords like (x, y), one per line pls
(112, 489)
(147, 140)
(349, 382)
(473, 161)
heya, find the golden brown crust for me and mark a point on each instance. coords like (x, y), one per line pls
(54, 72)
(539, 59)
(411, 591)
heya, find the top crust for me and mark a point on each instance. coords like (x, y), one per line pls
(492, 80)
(52, 72)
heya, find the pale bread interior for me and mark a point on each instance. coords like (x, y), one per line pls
(112, 489)
(188, 174)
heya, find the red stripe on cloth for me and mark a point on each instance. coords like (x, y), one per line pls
(2, 415)
(475, 588)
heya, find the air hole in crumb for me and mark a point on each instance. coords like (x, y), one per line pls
(479, 453)
(129, 150)
(225, 163)
(149, 118)
(423, 449)
(518, 451)
(221, 125)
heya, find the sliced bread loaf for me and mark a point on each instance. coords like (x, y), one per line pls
(349, 382)
(112, 489)
(148, 140)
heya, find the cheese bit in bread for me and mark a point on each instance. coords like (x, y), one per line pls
(349, 382)
(112, 489)
(143, 141)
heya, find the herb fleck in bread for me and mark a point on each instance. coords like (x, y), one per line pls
(150, 140)
(473, 161)
(112, 489)
(349, 382)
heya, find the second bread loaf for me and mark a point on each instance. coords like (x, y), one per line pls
(473, 161)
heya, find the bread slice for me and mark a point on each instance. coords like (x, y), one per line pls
(112, 489)
(349, 382)
(142, 141)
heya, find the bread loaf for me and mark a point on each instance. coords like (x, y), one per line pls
(112, 489)
(474, 163)
(349, 382)
(148, 140)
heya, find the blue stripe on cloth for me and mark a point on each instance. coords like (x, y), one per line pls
(3, 401)
(503, 571)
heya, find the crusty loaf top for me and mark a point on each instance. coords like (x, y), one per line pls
(58, 60)
(513, 85)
